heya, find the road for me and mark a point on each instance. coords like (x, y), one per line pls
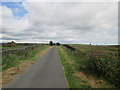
(47, 72)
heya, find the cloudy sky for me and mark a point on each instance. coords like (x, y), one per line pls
(64, 22)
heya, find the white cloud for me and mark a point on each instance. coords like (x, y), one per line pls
(64, 22)
(72, 0)
(59, 0)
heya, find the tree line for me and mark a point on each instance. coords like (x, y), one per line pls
(52, 43)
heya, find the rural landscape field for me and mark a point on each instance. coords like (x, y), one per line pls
(59, 44)
(91, 66)
(85, 66)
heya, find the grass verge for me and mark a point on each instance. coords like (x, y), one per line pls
(78, 78)
(11, 60)
(9, 73)
(74, 81)
(100, 61)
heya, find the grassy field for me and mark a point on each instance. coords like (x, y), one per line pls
(101, 61)
(15, 64)
(11, 60)
(68, 63)
(98, 65)
(16, 47)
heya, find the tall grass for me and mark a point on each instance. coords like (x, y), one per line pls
(105, 64)
(10, 60)
(73, 80)
(101, 61)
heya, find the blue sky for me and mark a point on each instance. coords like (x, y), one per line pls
(18, 10)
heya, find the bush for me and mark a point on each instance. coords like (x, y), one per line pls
(105, 64)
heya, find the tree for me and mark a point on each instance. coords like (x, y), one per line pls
(51, 43)
(58, 44)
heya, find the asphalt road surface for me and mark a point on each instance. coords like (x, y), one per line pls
(47, 72)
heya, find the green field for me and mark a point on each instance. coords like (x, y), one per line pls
(100, 62)
(69, 68)
(18, 46)
(11, 60)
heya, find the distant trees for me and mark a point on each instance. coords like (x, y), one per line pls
(51, 43)
(58, 44)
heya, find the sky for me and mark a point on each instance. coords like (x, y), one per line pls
(64, 22)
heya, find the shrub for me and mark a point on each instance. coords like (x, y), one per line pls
(105, 64)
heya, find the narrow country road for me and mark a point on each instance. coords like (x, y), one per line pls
(47, 72)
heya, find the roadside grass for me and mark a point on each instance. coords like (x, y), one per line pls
(89, 48)
(21, 63)
(102, 62)
(11, 60)
(74, 64)
(18, 46)
(69, 67)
